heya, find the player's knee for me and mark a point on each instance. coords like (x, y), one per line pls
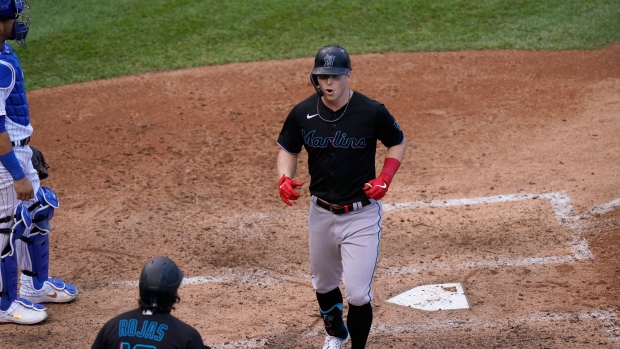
(358, 298)
(43, 210)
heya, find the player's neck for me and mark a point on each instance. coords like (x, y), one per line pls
(340, 102)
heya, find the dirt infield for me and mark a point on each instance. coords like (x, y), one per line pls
(510, 187)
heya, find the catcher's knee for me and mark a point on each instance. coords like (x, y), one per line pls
(42, 211)
(14, 227)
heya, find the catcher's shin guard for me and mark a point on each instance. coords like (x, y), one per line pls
(8, 260)
(8, 281)
(13, 309)
(33, 256)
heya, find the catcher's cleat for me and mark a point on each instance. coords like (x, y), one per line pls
(332, 342)
(54, 291)
(22, 311)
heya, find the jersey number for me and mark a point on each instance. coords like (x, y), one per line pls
(137, 346)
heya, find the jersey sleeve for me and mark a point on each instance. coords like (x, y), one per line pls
(99, 342)
(194, 340)
(388, 130)
(290, 138)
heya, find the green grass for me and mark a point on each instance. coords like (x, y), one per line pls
(82, 40)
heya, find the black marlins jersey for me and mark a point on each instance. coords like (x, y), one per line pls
(341, 147)
(134, 329)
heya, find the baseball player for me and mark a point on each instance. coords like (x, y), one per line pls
(151, 325)
(339, 128)
(26, 207)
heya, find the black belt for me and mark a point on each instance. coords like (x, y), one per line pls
(340, 209)
(21, 143)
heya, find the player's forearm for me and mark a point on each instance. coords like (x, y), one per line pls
(397, 152)
(5, 143)
(287, 164)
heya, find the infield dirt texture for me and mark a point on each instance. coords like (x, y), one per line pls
(510, 187)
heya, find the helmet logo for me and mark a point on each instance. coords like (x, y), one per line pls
(328, 61)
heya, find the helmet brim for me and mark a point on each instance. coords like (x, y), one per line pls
(330, 71)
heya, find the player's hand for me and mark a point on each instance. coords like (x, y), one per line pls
(287, 189)
(23, 189)
(376, 188)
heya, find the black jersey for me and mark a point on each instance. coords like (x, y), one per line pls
(341, 147)
(134, 329)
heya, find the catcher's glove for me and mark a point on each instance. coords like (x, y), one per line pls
(38, 161)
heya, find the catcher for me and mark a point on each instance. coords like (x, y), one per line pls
(26, 207)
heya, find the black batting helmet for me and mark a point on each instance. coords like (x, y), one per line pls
(159, 282)
(332, 60)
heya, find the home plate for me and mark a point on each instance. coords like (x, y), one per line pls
(433, 297)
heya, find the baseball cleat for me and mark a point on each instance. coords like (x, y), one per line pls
(22, 311)
(332, 342)
(53, 291)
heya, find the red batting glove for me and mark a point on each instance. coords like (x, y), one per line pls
(376, 188)
(287, 189)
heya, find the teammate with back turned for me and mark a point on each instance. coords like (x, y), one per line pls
(151, 325)
(340, 129)
(26, 207)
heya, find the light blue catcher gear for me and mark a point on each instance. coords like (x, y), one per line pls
(33, 255)
(8, 259)
(16, 9)
(37, 240)
(43, 211)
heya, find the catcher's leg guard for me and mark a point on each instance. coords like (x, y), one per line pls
(14, 228)
(8, 281)
(33, 255)
(13, 309)
(34, 251)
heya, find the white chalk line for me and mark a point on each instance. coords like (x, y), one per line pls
(256, 276)
(563, 212)
(560, 203)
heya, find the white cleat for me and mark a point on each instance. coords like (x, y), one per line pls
(332, 342)
(53, 291)
(23, 312)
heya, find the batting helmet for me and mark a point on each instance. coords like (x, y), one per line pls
(330, 60)
(159, 282)
(16, 9)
